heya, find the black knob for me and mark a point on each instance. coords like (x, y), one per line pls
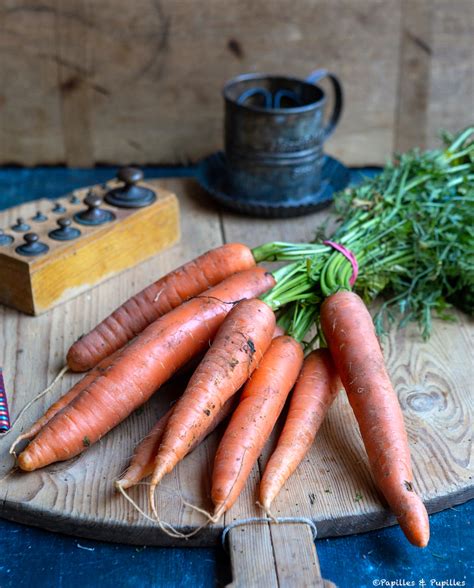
(130, 175)
(21, 226)
(65, 231)
(93, 215)
(39, 217)
(129, 195)
(92, 201)
(5, 239)
(58, 208)
(32, 245)
(74, 199)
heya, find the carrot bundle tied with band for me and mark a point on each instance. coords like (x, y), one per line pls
(140, 369)
(350, 333)
(134, 315)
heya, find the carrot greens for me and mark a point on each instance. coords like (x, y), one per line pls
(411, 231)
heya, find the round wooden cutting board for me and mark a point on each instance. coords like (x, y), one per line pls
(332, 487)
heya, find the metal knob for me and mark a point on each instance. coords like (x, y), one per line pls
(5, 239)
(32, 245)
(58, 208)
(21, 226)
(130, 175)
(74, 199)
(65, 231)
(39, 217)
(129, 195)
(93, 215)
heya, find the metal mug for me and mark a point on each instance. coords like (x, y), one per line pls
(274, 134)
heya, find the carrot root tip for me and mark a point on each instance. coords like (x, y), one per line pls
(265, 506)
(165, 527)
(123, 483)
(58, 377)
(204, 512)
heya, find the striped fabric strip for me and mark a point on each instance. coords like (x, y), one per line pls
(4, 416)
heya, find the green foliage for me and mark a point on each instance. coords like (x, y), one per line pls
(411, 229)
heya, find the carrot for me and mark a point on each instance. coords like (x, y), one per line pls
(350, 333)
(262, 401)
(139, 369)
(314, 392)
(167, 293)
(143, 460)
(236, 351)
(278, 332)
(64, 401)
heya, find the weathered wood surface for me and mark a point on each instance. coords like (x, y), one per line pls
(86, 82)
(333, 486)
(281, 556)
(37, 283)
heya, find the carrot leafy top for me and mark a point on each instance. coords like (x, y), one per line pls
(411, 230)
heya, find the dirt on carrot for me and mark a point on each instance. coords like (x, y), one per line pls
(350, 333)
(236, 351)
(134, 315)
(314, 392)
(140, 369)
(262, 401)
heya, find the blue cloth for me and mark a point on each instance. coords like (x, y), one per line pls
(35, 558)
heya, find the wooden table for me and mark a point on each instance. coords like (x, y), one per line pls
(432, 380)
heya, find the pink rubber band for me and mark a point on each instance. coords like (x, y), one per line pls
(349, 256)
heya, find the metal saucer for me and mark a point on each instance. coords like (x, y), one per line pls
(212, 176)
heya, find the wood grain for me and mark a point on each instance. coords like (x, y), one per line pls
(37, 283)
(94, 82)
(281, 556)
(333, 486)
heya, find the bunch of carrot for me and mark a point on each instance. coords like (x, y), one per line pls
(224, 306)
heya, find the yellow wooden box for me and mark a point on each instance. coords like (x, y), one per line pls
(36, 284)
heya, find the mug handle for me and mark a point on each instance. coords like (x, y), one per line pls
(315, 77)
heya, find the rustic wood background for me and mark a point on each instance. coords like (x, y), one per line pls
(84, 82)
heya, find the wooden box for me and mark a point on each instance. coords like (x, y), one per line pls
(35, 284)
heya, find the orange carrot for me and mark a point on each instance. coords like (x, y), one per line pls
(278, 332)
(66, 399)
(262, 401)
(140, 369)
(350, 333)
(167, 293)
(315, 391)
(236, 351)
(143, 460)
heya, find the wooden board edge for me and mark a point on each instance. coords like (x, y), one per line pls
(210, 536)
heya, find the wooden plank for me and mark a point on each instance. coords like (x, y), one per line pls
(416, 56)
(295, 555)
(258, 570)
(333, 486)
(30, 113)
(436, 75)
(73, 56)
(452, 73)
(283, 555)
(133, 82)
